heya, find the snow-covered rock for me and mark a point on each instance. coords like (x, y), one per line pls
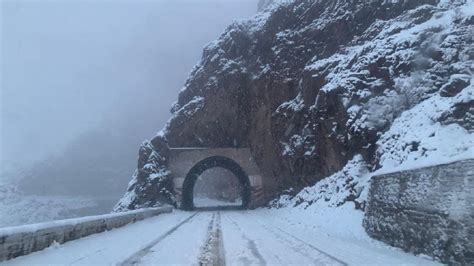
(310, 85)
(350, 184)
(151, 184)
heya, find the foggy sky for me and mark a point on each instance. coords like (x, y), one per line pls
(71, 66)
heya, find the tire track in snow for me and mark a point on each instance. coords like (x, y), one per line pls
(279, 235)
(206, 249)
(220, 245)
(250, 245)
(301, 247)
(213, 249)
(137, 256)
(310, 245)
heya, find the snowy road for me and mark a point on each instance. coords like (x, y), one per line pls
(218, 237)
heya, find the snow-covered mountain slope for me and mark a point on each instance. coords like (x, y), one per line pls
(18, 208)
(314, 86)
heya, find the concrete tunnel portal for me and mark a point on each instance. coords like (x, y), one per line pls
(188, 163)
(187, 202)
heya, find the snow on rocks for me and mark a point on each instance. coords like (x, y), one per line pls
(348, 184)
(417, 138)
(315, 86)
(151, 183)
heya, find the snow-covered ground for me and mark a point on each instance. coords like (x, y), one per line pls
(201, 201)
(263, 236)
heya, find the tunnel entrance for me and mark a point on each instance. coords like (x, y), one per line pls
(217, 186)
(211, 166)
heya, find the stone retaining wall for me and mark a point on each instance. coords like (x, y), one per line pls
(22, 240)
(428, 210)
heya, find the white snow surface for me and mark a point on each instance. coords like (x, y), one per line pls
(202, 201)
(263, 236)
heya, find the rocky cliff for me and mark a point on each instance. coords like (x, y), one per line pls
(310, 85)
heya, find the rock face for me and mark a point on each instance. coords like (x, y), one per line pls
(308, 85)
(151, 184)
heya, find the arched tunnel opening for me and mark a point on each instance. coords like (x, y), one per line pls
(216, 182)
(217, 186)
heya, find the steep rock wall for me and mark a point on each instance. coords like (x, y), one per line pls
(307, 85)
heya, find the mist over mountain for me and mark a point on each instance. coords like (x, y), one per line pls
(83, 83)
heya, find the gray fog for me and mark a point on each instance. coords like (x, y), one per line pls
(83, 83)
